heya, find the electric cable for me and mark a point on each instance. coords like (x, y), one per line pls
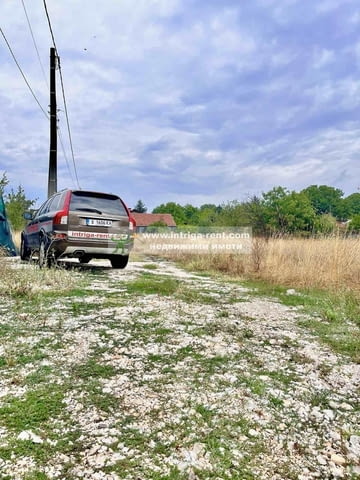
(23, 75)
(47, 84)
(63, 93)
(35, 45)
(68, 125)
(64, 153)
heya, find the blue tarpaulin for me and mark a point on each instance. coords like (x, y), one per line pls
(6, 241)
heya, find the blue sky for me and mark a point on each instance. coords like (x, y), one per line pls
(190, 101)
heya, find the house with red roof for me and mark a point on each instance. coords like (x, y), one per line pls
(144, 220)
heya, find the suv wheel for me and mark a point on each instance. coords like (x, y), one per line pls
(119, 261)
(45, 257)
(24, 250)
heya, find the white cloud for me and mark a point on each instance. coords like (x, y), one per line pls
(203, 101)
(323, 57)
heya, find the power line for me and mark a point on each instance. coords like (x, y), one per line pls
(63, 93)
(34, 42)
(68, 124)
(51, 31)
(23, 75)
(47, 83)
(64, 153)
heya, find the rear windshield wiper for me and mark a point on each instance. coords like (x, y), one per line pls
(89, 210)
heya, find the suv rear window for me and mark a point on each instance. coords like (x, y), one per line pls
(97, 203)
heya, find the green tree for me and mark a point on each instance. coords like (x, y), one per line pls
(256, 215)
(176, 210)
(325, 223)
(191, 214)
(211, 206)
(232, 215)
(352, 204)
(288, 212)
(326, 199)
(208, 215)
(4, 182)
(273, 209)
(354, 225)
(16, 205)
(140, 207)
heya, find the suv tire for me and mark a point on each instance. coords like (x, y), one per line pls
(45, 258)
(119, 261)
(24, 250)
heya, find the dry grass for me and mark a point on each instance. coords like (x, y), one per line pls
(27, 280)
(16, 236)
(330, 263)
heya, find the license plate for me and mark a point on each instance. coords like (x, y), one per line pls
(98, 222)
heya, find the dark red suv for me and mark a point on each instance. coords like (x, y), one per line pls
(81, 224)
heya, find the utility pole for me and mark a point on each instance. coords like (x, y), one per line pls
(52, 178)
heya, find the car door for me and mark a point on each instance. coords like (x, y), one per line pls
(34, 226)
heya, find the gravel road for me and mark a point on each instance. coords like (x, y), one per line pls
(156, 373)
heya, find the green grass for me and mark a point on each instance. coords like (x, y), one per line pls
(92, 369)
(149, 284)
(67, 443)
(320, 398)
(191, 295)
(206, 413)
(339, 335)
(36, 475)
(78, 308)
(338, 311)
(95, 396)
(334, 316)
(286, 379)
(32, 411)
(40, 376)
(150, 266)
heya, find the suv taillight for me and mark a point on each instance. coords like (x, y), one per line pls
(61, 217)
(132, 223)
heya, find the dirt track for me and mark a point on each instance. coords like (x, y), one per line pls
(155, 373)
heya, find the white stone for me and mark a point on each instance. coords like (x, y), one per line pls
(338, 472)
(316, 414)
(29, 435)
(321, 460)
(354, 447)
(329, 414)
(338, 459)
(335, 436)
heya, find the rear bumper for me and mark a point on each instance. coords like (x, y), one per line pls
(79, 250)
(95, 248)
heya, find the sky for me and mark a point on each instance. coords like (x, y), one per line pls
(192, 101)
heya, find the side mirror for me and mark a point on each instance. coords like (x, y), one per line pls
(28, 216)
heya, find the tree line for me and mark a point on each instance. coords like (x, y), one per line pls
(316, 209)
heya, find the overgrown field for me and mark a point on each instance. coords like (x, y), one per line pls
(329, 263)
(156, 373)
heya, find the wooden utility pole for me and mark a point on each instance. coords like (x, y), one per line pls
(52, 178)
